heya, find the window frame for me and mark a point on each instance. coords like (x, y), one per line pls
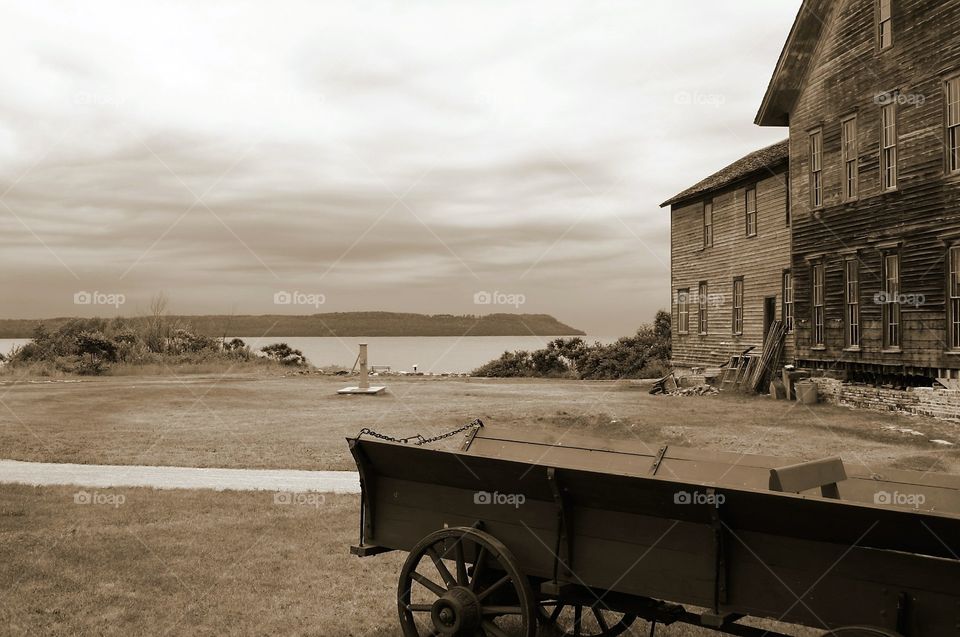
(815, 168)
(851, 303)
(881, 21)
(953, 297)
(707, 227)
(750, 214)
(787, 300)
(890, 310)
(736, 324)
(683, 311)
(818, 282)
(851, 191)
(951, 135)
(886, 109)
(703, 325)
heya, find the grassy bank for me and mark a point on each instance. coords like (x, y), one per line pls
(158, 343)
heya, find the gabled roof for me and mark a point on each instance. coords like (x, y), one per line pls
(763, 160)
(791, 69)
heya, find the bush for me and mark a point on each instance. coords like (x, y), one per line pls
(285, 354)
(644, 355)
(94, 346)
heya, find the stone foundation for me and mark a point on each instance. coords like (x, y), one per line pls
(921, 401)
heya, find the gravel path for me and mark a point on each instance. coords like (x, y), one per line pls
(104, 476)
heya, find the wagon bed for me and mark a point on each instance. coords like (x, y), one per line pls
(667, 534)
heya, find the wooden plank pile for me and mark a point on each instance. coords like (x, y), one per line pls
(751, 371)
(768, 362)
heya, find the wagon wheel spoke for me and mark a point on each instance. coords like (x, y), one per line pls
(419, 608)
(492, 630)
(500, 582)
(462, 578)
(434, 588)
(600, 620)
(502, 610)
(441, 567)
(478, 568)
(576, 622)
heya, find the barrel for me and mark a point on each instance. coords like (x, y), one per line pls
(807, 393)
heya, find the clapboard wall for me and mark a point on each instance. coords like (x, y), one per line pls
(919, 220)
(759, 259)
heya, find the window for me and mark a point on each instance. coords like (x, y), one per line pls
(848, 144)
(954, 291)
(891, 300)
(884, 25)
(683, 310)
(737, 326)
(751, 207)
(888, 144)
(816, 169)
(708, 224)
(953, 124)
(702, 308)
(818, 305)
(787, 311)
(852, 301)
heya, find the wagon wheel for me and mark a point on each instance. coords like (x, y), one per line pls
(861, 631)
(486, 595)
(577, 620)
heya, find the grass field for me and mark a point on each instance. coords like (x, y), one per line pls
(209, 563)
(299, 422)
(194, 563)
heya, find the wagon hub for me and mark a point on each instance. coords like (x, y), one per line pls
(457, 612)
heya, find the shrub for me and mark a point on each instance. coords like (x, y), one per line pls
(285, 354)
(643, 355)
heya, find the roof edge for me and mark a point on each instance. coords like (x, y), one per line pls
(780, 154)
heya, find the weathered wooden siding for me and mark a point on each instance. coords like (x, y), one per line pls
(845, 76)
(760, 260)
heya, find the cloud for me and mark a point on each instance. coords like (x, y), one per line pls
(393, 155)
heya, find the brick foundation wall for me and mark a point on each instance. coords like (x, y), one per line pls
(921, 401)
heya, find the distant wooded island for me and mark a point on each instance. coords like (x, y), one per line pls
(343, 324)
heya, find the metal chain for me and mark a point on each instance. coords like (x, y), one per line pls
(418, 439)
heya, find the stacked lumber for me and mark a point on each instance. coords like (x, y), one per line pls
(763, 367)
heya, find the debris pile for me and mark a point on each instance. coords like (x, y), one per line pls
(696, 390)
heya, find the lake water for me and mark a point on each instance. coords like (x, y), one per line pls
(436, 354)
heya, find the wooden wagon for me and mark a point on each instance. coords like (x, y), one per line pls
(584, 536)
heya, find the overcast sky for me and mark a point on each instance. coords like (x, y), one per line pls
(398, 156)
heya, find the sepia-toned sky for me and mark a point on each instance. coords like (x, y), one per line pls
(371, 155)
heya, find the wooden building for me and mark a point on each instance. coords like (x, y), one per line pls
(730, 259)
(870, 91)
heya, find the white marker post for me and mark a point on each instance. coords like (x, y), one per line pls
(364, 387)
